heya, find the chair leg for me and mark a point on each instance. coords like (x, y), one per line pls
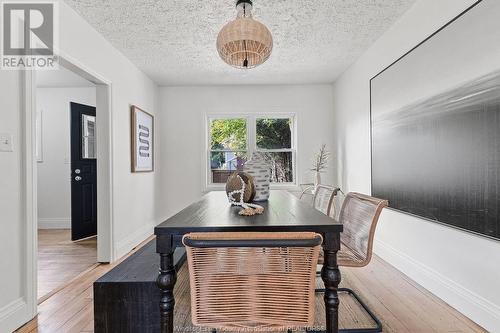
(365, 307)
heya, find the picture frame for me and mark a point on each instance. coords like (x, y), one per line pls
(142, 140)
(434, 116)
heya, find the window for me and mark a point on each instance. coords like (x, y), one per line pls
(232, 140)
(228, 147)
(274, 139)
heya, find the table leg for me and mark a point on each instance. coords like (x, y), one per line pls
(331, 277)
(166, 282)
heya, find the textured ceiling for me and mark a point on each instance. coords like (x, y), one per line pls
(173, 41)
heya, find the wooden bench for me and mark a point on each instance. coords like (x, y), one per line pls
(126, 299)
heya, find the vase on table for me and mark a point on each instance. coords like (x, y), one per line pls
(260, 170)
(317, 180)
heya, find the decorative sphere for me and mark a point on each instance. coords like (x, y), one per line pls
(235, 183)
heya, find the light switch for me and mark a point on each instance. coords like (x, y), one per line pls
(6, 142)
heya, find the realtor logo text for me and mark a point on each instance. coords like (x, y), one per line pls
(29, 35)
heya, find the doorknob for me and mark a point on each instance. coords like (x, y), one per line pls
(78, 178)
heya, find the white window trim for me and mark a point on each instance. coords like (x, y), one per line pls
(251, 144)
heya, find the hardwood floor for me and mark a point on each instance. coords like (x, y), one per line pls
(60, 260)
(400, 303)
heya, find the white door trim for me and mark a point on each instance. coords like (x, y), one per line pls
(104, 136)
(105, 246)
(29, 165)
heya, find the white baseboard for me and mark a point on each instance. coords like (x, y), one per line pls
(472, 305)
(124, 246)
(54, 223)
(14, 315)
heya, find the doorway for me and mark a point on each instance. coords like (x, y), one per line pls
(66, 178)
(30, 151)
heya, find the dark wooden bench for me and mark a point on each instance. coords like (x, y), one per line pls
(126, 299)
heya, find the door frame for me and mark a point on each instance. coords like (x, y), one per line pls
(104, 134)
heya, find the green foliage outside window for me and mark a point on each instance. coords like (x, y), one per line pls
(270, 133)
(274, 133)
(228, 134)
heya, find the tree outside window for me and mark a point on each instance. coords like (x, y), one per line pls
(228, 145)
(274, 138)
(232, 140)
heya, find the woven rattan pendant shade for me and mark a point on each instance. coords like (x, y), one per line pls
(244, 42)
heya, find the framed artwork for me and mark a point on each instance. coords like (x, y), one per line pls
(435, 120)
(142, 140)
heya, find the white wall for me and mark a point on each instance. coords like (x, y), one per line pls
(54, 172)
(13, 307)
(134, 210)
(457, 266)
(182, 125)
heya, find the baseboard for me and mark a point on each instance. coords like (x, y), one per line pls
(54, 223)
(14, 315)
(128, 243)
(472, 305)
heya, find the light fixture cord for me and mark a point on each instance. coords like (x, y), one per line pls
(245, 62)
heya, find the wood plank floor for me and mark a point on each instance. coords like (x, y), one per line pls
(400, 303)
(60, 260)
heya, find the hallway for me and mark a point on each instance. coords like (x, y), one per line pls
(60, 260)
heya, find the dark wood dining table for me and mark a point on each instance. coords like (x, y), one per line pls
(283, 212)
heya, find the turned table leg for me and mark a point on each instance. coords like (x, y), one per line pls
(166, 282)
(331, 277)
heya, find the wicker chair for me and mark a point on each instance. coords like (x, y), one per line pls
(324, 199)
(252, 280)
(359, 215)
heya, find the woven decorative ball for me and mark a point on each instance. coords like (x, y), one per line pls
(240, 182)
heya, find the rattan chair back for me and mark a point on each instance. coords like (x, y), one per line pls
(359, 216)
(248, 281)
(324, 199)
(337, 203)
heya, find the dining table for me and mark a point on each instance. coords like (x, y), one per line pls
(283, 212)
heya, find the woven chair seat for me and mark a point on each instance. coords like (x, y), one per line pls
(346, 257)
(350, 258)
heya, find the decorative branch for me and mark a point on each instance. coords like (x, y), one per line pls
(321, 160)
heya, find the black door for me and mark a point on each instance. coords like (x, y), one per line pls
(83, 171)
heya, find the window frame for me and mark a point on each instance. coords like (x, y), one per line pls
(251, 147)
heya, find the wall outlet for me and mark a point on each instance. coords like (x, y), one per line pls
(6, 142)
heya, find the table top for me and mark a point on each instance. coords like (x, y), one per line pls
(282, 212)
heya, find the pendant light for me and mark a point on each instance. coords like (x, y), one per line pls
(244, 42)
